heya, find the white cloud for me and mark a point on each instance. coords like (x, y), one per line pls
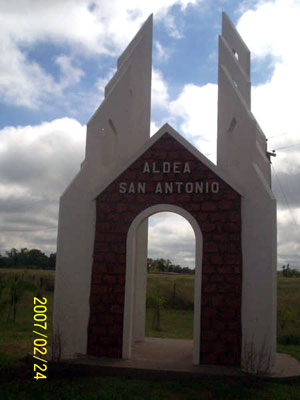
(197, 108)
(102, 82)
(272, 27)
(172, 27)
(22, 82)
(171, 237)
(87, 27)
(159, 95)
(153, 128)
(36, 165)
(162, 54)
(288, 237)
(70, 74)
(193, 112)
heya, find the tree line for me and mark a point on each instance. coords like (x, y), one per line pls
(36, 259)
(288, 272)
(162, 265)
(25, 258)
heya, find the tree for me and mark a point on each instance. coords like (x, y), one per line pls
(13, 255)
(149, 264)
(287, 272)
(52, 261)
(23, 256)
(162, 265)
(6, 262)
(38, 258)
(27, 258)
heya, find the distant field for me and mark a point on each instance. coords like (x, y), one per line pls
(177, 292)
(16, 337)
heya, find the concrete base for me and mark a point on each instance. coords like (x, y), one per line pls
(286, 366)
(171, 356)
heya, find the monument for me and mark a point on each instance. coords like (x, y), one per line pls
(126, 176)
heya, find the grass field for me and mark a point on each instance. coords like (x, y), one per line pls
(288, 311)
(16, 337)
(16, 378)
(175, 324)
(176, 313)
(129, 389)
(179, 322)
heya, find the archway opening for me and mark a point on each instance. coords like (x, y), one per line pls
(172, 276)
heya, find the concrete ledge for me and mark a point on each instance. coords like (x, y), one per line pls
(157, 358)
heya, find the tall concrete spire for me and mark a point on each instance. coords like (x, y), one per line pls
(122, 122)
(242, 154)
(241, 142)
(119, 127)
(234, 57)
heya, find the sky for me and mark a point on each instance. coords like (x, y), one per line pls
(56, 57)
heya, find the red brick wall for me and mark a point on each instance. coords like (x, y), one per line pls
(219, 218)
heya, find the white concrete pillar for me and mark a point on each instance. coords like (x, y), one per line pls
(119, 127)
(242, 155)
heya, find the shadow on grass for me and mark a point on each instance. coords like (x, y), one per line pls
(110, 388)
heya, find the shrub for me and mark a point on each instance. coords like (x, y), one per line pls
(289, 339)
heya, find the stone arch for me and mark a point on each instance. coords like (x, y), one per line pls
(131, 271)
(217, 212)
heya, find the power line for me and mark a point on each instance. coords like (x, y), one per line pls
(288, 147)
(285, 147)
(275, 136)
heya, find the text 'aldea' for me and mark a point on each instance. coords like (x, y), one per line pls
(169, 187)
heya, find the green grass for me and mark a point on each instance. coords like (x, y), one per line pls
(179, 323)
(292, 350)
(16, 339)
(16, 377)
(288, 327)
(31, 275)
(177, 290)
(175, 324)
(129, 389)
